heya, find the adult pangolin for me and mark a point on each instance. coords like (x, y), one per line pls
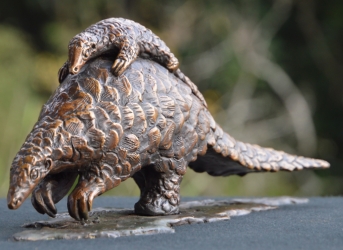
(145, 124)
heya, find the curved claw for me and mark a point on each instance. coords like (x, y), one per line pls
(63, 72)
(79, 204)
(83, 208)
(80, 201)
(119, 66)
(42, 201)
(37, 205)
(73, 208)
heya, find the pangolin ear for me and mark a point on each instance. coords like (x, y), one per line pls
(48, 164)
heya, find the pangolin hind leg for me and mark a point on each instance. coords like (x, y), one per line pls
(91, 184)
(160, 188)
(163, 57)
(51, 190)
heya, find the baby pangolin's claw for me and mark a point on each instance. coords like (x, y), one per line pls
(119, 66)
(63, 72)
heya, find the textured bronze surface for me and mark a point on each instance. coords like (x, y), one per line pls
(147, 123)
(126, 38)
(115, 222)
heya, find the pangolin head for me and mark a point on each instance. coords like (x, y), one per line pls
(81, 48)
(29, 167)
(36, 158)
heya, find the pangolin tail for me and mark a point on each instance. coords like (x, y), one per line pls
(226, 156)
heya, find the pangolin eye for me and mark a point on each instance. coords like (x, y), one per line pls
(86, 54)
(93, 46)
(34, 174)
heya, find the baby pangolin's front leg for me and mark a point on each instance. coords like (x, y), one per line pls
(128, 52)
(63, 72)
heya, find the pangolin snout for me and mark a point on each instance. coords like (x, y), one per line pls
(14, 201)
(14, 204)
(75, 59)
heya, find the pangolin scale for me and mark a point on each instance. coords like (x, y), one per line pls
(145, 124)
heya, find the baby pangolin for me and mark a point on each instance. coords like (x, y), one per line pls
(128, 40)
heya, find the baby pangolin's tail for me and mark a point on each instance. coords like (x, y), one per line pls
(226, 156)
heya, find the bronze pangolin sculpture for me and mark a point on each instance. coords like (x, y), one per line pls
(146, 124)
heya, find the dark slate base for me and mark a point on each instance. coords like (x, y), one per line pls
(315, 225)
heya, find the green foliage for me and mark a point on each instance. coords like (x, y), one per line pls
(19, 107)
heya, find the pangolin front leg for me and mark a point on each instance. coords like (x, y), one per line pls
(90, 185)
(128, 52)
(63, 72)
(51, 190)
(161, 193)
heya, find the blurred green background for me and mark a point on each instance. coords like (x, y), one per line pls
(271, 72)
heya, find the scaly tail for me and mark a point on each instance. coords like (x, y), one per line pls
(226, 156)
